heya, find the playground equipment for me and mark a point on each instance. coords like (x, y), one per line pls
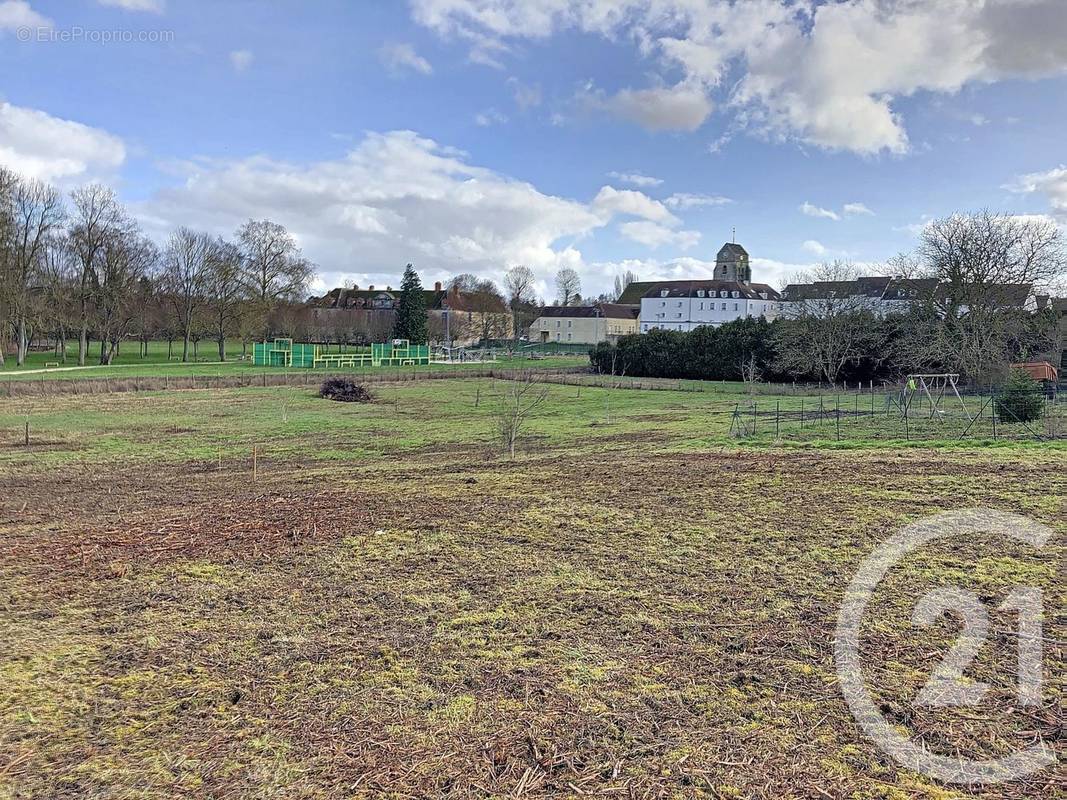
(287, 353)
(463, 355)
(934, 387)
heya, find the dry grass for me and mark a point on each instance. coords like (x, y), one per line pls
(613, 617)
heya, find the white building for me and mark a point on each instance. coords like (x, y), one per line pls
(685, 305)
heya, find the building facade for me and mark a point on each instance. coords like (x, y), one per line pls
(584, 324)
(453, 316)
(686, 305)
(731, 295)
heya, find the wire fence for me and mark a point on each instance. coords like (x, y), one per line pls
(809, 412)
(886, 416)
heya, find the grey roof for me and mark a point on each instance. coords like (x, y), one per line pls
(635, 291)
(873, 288)
(690, 288)
(732, 250)
(607, 310)
(886, 288)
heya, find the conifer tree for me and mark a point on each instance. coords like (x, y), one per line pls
(411, 313)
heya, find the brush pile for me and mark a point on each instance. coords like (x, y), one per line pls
(344, 389)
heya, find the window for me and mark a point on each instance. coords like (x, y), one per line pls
(701, 306)
(735, 294)
(557, 323)
(700, 293)
(662, 305)
(568, 323)
(724, 304)
(723, 294)
(568, 337)
(663, 292)
(679, 315)
(679, 304)
(735, 306)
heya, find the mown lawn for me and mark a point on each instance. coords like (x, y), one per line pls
(156, 364)
(639, 605)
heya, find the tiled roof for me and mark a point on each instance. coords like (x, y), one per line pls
(887, 288)
(635, 291)
(608, 310)
(387, 298)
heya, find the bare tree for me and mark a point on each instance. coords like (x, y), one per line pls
(96, 214)
(971, 276)
(125, 258)
(973, 256)
(827, 326)
(36, 212)
(273, 266)
(8, 179)
(516, 402)
(187, 265)
(519, 285)
(486, 301)
(568, 286)
(60, 276)
(621, 282)
(464, 282)
(225, 292)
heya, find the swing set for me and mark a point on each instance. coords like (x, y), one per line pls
(937, 389)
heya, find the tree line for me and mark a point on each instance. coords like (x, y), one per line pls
(81, 267)
(957, 310)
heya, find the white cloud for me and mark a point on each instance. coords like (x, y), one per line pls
(398, 197)
(810, 210)
(155, 6)
(856, 209)
(489, 117)
(814, 247)
(610, 200)
(38, 145)
(241, 59)
(635, 179)
(847, 210)
(684, 200)
(526, 97)
(1052, 184)
(400, 57)
(828, 74)
(15, 14)
(669, 108)
(652, 234)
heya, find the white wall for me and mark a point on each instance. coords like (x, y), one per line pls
(687, 313)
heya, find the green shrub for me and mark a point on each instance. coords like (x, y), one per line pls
(1021, 399)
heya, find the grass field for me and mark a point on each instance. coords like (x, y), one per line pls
(129, 354)
(639, 605)
(161, 360)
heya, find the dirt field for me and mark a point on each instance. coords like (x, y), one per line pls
(636, 606)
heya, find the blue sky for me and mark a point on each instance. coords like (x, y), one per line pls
(471, 135)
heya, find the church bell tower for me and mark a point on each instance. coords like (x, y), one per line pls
(731, 264)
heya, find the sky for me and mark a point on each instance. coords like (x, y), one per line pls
(603, 135)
